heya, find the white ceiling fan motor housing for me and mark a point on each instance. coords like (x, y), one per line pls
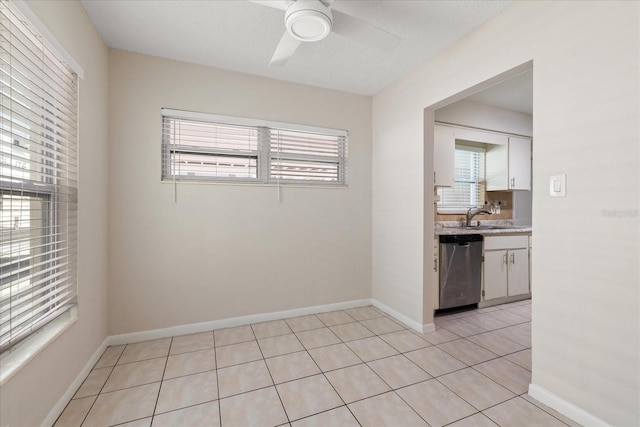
(308, 20)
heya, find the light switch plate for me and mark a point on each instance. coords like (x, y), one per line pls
(558, 185)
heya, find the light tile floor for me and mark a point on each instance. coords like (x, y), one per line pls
(343, 368)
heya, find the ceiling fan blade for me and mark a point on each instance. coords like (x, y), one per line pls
(287, 46)
(278, 4)
(363, 32)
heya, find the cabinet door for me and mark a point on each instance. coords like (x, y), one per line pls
(496, 161)
(444, 149)
(518, 271)
(519, 163)
(495, 274)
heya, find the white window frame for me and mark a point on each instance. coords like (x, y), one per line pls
(479, 181)
(270, 159)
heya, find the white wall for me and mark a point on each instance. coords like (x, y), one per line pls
(228, 250)
(482, 116)
(586, 124)
(28, 397)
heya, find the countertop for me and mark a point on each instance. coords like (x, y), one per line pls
(453, 227)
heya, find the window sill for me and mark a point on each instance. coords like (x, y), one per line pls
(14, 360)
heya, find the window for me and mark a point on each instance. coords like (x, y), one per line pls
(468, 187)
(38, 180)
(203, 147)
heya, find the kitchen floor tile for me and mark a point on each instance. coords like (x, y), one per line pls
(371, 348)
(190, 363)
(203, 415)
(291, 367)
(235, 335)
(435, 403)
(385, 410)
(496, 343)
(256, 408)
(486, 322)
(461, 327)
(398, 371)
(317, 338)
(440, 336)
(75, 412)
(334, 357)
(351, 331)
(507, 374)
(356, 382)
(276, 346)
(271, 329)
(243, 378)
(134, 374)
(550, 411)
(193, 342)
(381, 325)
(518, 411)
(144, 422)
(333, 318)
(308, 396)
(145, 350)
(121, 406)
(475, 420)
(187, 391)
(304, 323)
(508, 317)
(236, 354)
(467, 352)
(110, 357)
(435, 361)
(475, 388)
(404, 341)
(364, 313)
(93, 383)
(336, 417)
(521, 358)
(519, 334)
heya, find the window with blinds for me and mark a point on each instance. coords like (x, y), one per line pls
(38, 180)
(203, 147)
(469, 182)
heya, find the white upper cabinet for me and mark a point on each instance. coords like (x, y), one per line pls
(444, 147)
(508, 167)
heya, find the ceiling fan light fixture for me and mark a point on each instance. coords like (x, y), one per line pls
(308, 21)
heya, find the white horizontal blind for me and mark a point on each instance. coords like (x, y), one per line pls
(38, 180)
(199, 147)
(469, 187)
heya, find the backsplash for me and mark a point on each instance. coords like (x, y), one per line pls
(506, 208)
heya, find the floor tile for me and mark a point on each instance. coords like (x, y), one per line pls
(404, 341)
(304, 323)
(398, 371)
(356, 382)
(507, 374)
(476, 420)
(276, 346)
(235, 335)
(550, 411)
(521, 358)
(110, 357)
(336, 417)
(203, 415)
(462, 328)
(518, 334)
(308, 396)
(317, 338)
(435, 361)
(291, 367)
(385, 410)
(486, 322)
(475, 388)
(351, 331)
(75, 412)
(187, 391)
(333, 318)
(236, 354)
(190, 363)
(271, 329)
(382, 325)
(364, 313)
(508, 317)
(93, 383)
(467, 352)
(496, 343)
(371, 348)
(334, 357)
(145, 350)
(243, 378)
(192, 342)
(518, 411)
(134, 374)
(435, 403)
(256, 408)
(144, 422)
(439, 336)
(123, 406)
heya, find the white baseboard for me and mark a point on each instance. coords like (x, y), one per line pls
(75, 385)
(567, 409)
(227, 323)
(416, 326)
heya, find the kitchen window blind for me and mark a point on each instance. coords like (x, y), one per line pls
(203, 147)
(469, 186)
(38, 180)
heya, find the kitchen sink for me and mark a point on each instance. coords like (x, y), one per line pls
(487, 227)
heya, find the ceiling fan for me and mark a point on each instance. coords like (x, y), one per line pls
(313, 20)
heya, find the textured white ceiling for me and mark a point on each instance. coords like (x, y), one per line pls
(241, 36)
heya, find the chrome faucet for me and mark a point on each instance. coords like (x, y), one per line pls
(471, 214)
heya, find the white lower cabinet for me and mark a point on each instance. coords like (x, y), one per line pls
(506, 266)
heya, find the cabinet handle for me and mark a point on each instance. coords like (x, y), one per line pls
(513, 259)
(504, 259)
(513, 182)
(435, 264)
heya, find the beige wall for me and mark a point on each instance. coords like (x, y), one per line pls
(28, 397)
(586, 124)
(224, 251)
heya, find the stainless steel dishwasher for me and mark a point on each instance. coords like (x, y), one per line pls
(460, 269)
